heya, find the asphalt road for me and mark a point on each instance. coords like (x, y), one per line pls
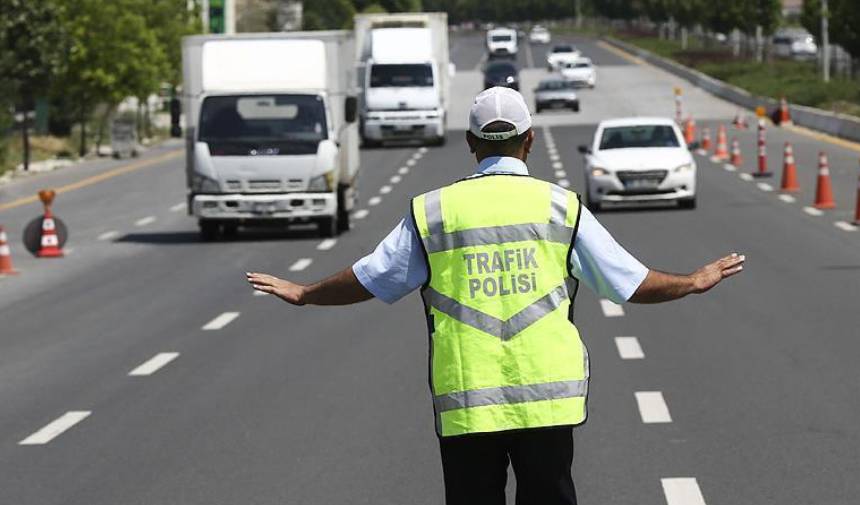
(754, 387)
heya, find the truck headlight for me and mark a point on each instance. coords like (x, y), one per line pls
(684, 168)
(322, 182)
(203, 184)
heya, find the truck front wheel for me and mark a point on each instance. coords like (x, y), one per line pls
(328, 226)
(209, 230)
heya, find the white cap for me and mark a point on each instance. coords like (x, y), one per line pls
(499, 104)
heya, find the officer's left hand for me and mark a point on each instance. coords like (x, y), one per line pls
(287, 291)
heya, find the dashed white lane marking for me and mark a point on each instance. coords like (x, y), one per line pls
(701, 152)
(361, 214)
(179, 206)
(374, 200)
(716, 159)
(629, 348)
(221, 321)
(56, 427)
(395, 179)
(326, 244)
(108, 235)
(410, 162)
(557, 165)
(422, 150)
(787, 198)
(730, 167)
(764, 186)
(812, 211)
(68, 251)
(154, 364)
(551, 150)
(554, 157)
(417, 155)
(561, 174)
(301, 264)
(610, 308)
(385, 189)
(145, 221)
(745, 176)
(845, 226)
(403, 170)
(682, 491)
(652, 407)
(564, 183)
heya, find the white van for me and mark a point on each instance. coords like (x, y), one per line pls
(502, 42)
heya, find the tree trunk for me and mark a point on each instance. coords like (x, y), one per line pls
(137, 120)
(147, 120)
(101, 132)
(82, 149)
(25, 138)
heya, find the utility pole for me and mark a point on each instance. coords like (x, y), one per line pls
(825, 42)
(578, 9)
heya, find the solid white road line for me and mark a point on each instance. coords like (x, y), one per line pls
(558, 165)
(652, 407)
(812, 211)
(682, 491)
(564, 183)
(221, 321)
(610, 308)
(145, 221)
(326, 244)
(374, 200)
(385, 189)
(561, 174)
(629, 348)
(745, 176)
(361, 214)
(403, 170)
(395, 179)
(301, 264)
(787, 198)
(730, 167)
(764, 186)
(108, 235)
(845, 226)
(56, 428)
(154, 363)
(179, 206)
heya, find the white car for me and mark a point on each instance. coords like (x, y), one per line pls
(639, 159)
(580, 72)
(562, 53)
(502, 42)
(539, 35)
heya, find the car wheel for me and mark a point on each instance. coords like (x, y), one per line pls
(327, 227)
(538, 108)
(230, 230)
(687, 203)
(209, 230)
(591, 205)
(575, 107)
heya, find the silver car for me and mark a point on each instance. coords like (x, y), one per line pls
(556, 92)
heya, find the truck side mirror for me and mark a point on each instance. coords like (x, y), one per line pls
(350, 109)
(584, 149)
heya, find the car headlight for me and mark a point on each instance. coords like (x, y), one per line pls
(203, 184)
(684, 168)
(598, 171)
(322, 182)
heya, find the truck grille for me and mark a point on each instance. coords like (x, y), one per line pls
(264, 185)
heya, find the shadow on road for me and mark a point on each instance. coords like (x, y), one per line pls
(243, 235)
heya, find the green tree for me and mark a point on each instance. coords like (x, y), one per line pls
(31, 41)
(844, 22)
(328, 14)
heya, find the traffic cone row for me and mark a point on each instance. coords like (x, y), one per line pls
(722, 150)
(783, 116)
(6, 267)
(736, 159)
(762, 151)
(690, 131)
(706, 139)
(740, 121)
(789, 171)
(50, 246)
(823, 188)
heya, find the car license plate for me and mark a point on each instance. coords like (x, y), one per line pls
(403, 127)
(264, 208)
(641, 184)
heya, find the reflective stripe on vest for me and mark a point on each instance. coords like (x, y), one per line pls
(503, 353)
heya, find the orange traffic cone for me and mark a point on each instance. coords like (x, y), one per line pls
(5, 255)
(50, 247)
(823, 189)
(706, 139)
(789, 170)
(722, 150)
(784, 115)
(690, 131)
(740, 121)
(736, 160)
(762, 152)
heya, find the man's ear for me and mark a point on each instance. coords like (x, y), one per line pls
(472, 141)
(530, 139)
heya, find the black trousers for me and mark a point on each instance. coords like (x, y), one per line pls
(475, 467)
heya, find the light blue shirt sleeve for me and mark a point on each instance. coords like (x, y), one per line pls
(397, 266)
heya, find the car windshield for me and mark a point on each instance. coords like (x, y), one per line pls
(555, 85)
(501, 38)
(621, 137)
(401, 75)
(562, 49)
(265, 124)
(503, 69)
(582, 64)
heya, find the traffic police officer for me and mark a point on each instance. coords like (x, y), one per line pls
(498, 256)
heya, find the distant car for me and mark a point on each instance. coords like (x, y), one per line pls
(539, 35)
(639, 159)
(501, 73)
(502, 42)
(556, 92)
(580, 72)
(564, 53)
(796, 44)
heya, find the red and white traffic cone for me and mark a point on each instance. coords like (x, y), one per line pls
(50, 245)
(789, 170)
(690, 131)
(762, 152)
(706, 139)
(736, 159)
(784, 115)
(857, 205)
(740, 121)
(722, 150)
(823, 189)
(6, 267)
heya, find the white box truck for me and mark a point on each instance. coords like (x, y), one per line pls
(405, 76)
(271, 136)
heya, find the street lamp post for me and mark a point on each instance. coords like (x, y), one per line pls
(825, 42)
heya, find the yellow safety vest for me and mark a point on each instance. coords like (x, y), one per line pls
(504, 353)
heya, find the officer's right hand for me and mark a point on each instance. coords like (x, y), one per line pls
(287, 291)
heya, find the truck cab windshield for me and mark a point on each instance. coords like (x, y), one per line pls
(250, 125)
(401, 75)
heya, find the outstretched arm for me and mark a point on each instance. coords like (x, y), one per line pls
(663, 287)
(341, 288)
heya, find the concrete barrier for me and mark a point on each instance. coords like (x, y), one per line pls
(839, 125)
